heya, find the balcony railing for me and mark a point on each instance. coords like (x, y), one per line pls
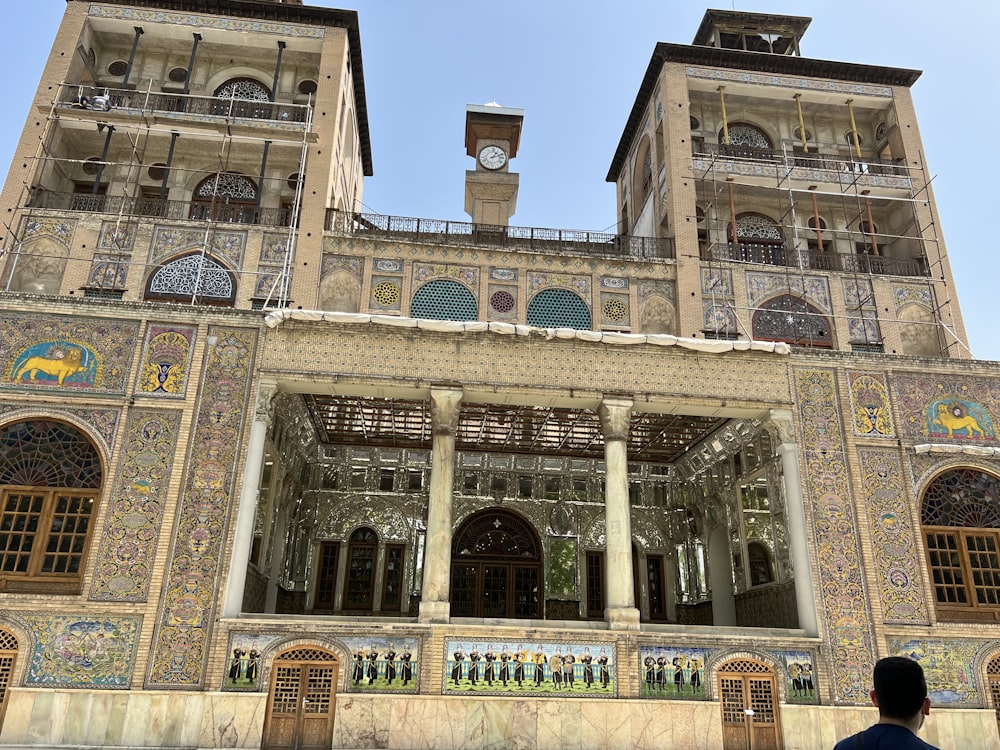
(233, 213)
(777, 254)
(102, 99)
(531, 239)
(809, 160)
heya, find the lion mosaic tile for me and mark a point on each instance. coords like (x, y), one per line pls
(129, 539)
(181, 639)
(935, 407)
(66, 354)
(840, 585)
(890, 519)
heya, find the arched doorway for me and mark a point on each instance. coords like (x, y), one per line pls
(792, 319)
(300, 705)
(496, 567)
(993, 680)
(225, 196)
(8, 657)
(749, 697)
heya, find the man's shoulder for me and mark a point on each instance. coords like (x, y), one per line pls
(884, 737)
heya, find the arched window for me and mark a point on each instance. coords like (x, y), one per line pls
(496, 567)
(362, 550)
(192, 278)
(960, 518)
(643, 178)
(225, 196)
(238, 96)
(558, 308)
(443, 299)
(761, 571)
(50, 481)
(746, 141)
(758, 239)
(792, 319)
(993, 678)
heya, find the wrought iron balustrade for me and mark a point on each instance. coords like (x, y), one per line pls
(531, 239)
(164, 102)
(234, 213)
(808, 160)
(827, 260)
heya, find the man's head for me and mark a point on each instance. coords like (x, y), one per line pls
(900, 689)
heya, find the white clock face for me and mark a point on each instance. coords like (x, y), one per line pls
(492, 157)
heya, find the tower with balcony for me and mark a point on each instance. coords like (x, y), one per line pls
(796, 191)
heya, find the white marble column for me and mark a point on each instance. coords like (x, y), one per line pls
(621, 612)
(434, 596)
(805, 597)
(243, 529)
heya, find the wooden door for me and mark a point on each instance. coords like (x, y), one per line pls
(8, 656)
(747, 691)
(300, 706)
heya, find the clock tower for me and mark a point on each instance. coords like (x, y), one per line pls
(492, 135)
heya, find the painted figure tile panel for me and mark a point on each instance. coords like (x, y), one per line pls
(166, 361)
(948, 667)
(550, 669)
(72, 651)
(244, 660)
(66, 354)
(128, 543)
(672, 672)
(838, 555)
(179, 647)
(380, 665)
(870, 409)
(800, 671)
(945, 408)
(894, 541)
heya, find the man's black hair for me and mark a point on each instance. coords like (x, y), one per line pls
(900, 687)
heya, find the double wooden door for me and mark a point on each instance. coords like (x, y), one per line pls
(747, 690)
(301, 703)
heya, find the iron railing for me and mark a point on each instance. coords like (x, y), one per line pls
(777, 254)
(531, 239)
(808, 160)
(104, 99)
(233, 213)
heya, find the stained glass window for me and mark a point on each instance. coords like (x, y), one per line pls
(193, 276)
(244, 88)
(789, 318)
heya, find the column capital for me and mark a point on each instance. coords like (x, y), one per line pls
(264, 408)
(615, 414)
(445, 411)
(783, 423)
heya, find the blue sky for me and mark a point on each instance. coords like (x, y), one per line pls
(574, 67)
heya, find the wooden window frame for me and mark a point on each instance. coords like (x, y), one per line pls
(354, 545)
(34, 580)
(326, 575)
(961, 577)
(394, 554)
(595, 560)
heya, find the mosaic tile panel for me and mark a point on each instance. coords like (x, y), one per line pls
(614, 282)
(274, 249)
(226, 246)
(864, 329)
(799, 667)
(383, 665)
(66, 354)
(762, 286)
(539, 281)
(858, 292)
(894, 544)
(654, 288)
(950, 667)
(835, 536)
(108, 271)
(166, 361)
(103, 422)
(672, 672)
(354, 266)
(179, 646)
(206, 21)
(908, 295)
(870, 407)
(717, 281)
(773, 79)
(76, 651)
(117, 237)
(244, 660)
(60, 230)
(128, 543)
(387, 265)
(573, 669)
(718, 317)
(934, 407)
(424, 272)
(503, 274)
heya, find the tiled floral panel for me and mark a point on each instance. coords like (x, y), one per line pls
(835, 536)
(190, 586)
(66, 354)
(225, 246)
(134, 15)
(540, 281)
(424, 272)
(166, 361)
(332, 262)
(129, 539)
(60, 230)
(717, 281)
(380, 665)
(567, 669)
(76, 651)
(763, 286)
(894, 545)
(870, 408)
(936, 408)
(243, 661)
(672, 672)
(950, 666)
(103, 422)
